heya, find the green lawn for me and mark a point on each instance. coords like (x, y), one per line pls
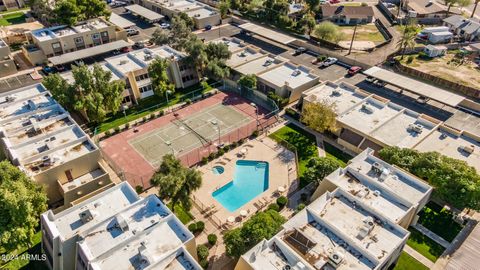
(303, 141)
(146, 107)
(12, 18)
(182, 214)
(22, 262)
(439, 221)
(424, 245)
(337, 154)
(407, 262)
(367, 32)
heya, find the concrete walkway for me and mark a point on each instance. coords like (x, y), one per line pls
(419, 257)
(320, 147)
(444, 243)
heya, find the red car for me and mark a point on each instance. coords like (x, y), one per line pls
(334, 1)
(354, 70)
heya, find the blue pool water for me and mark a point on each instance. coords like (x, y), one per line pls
(218, 169)
(250, 179)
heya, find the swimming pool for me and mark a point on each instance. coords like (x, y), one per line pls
(250, 179)
(218, 169)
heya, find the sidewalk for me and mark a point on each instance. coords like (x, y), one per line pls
(419, 257)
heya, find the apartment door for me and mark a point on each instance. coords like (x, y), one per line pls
(68, 173)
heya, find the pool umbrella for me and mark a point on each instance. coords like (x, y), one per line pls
(243, 213)
(281, 189)
(231, 219)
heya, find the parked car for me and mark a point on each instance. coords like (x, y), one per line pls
(379, 83)
(132, 32)
(125, 49)
(334, 1)
(48, 70)
(208, 27)
(138, 45)
(422, 100)
(330, 61)
(370, 79)
(60, 68)
(299, 51)
(115, 4)
(165, 25)
(354, 70)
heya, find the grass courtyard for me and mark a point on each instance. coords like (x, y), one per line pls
(182, 214)
(467, 74)
(407, 262)
(12, 18)
(424, 245)
(439, 221)
(22, 261)
(367, 32)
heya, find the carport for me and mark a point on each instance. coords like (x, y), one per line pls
(415, 86)
(145, 13)
(120, 21)
(89, 52)
(267, 33)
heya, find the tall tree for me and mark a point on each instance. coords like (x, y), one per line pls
(224, 7)
(161, 37)
(328, 31)
(67, 12)
(474, 8)
(459, 3)
(319, 167)
(313, 5)
(249, 81)
(176, 182)
(157, 71)
(407, 40)
(21, 202)
(308, 23)
(61, 90)
(319, 116)
(93, 9)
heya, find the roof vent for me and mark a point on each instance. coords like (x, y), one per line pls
(367, 108)
(336, 93)
(377, 193)
(417, 128)
(336, 258)
(10, 98)
(123, 62)
(384, 174)
(144, 255)
(268, 62)
(377, 167)
(87, 216)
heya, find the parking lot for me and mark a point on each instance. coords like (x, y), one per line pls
(16, 82)
(145, 28)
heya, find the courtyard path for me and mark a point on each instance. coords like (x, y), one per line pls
(419, 257)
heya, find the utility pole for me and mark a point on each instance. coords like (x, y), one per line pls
(353, 38)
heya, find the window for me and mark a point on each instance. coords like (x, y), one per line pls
(78, 40)
(56, 45)
(142, 77)
(96, 36)
(126, 99)
(146, 88)
(104, 34)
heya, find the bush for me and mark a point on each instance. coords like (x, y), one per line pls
(144, 119)
(204, 160)
(227, 148)
(221, 152)
(212, 239)
(204, 263)
(282, 201)
(410, 59)
(202, 252)
(161, 113)
(274, 207)
(139, 189)
(117, 129)
(107, 133)
(300, 207)
(192, 227)
(152, 116)
(241, 141)
(255, 133)
(322, 57)
(204, 85)
(200, 226)
(127, 125)
(234, 145)
(211, 156)
(188, 101)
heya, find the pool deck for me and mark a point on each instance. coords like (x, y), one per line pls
(282, 172)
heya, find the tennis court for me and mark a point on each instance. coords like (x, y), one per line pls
(183, 134)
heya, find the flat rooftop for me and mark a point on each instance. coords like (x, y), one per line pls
(288, 74)
(233, 44)
(406, 185)
(267, 33)
(163, 237)
(123, 226)
(167, 52)
(410, 129)
(259, 65)
(334, 232)
(68, 223)
(180, 259)
(369, 115)
(2, 43)
(202, 12)
(242, 57)
(145, 12)
(343, 95)
(125, 63)
(184, 6)
(64, 30)
(452, 143)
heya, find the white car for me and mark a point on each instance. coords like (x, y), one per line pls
(165, 25)
(328, 62)
(132, 32)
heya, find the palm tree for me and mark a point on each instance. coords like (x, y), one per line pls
(474, 8)
(176, 182)
(407, 40)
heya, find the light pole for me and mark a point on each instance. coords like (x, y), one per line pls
(215, 123)
(166, 96)
(256, 111)
(124, 109)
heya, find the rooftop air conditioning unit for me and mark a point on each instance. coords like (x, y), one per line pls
(367, 108)
(336, 93)
(296, 72)
(468, 148)
(377, 193)
(415, 128)
(123, 62)
(147, 57)
(10, 98)
(46, 161)
(87, 216)
(377, 167)
(336, 258)
(384, 174)
(287, 267)
(242, 54)
(268, 62)
(122, 222)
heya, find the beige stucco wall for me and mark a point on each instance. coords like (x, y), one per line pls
(242, 265)
(69, 196)
(203, 22)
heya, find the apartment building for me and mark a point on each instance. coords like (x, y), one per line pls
(117, 229)
(336, 231)
(397, 194)
(365, 120)
(7, 65)
(274, 74)
(201, 14)
(40, 136)
(59, 40)
(132, 67)
(11, 4)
